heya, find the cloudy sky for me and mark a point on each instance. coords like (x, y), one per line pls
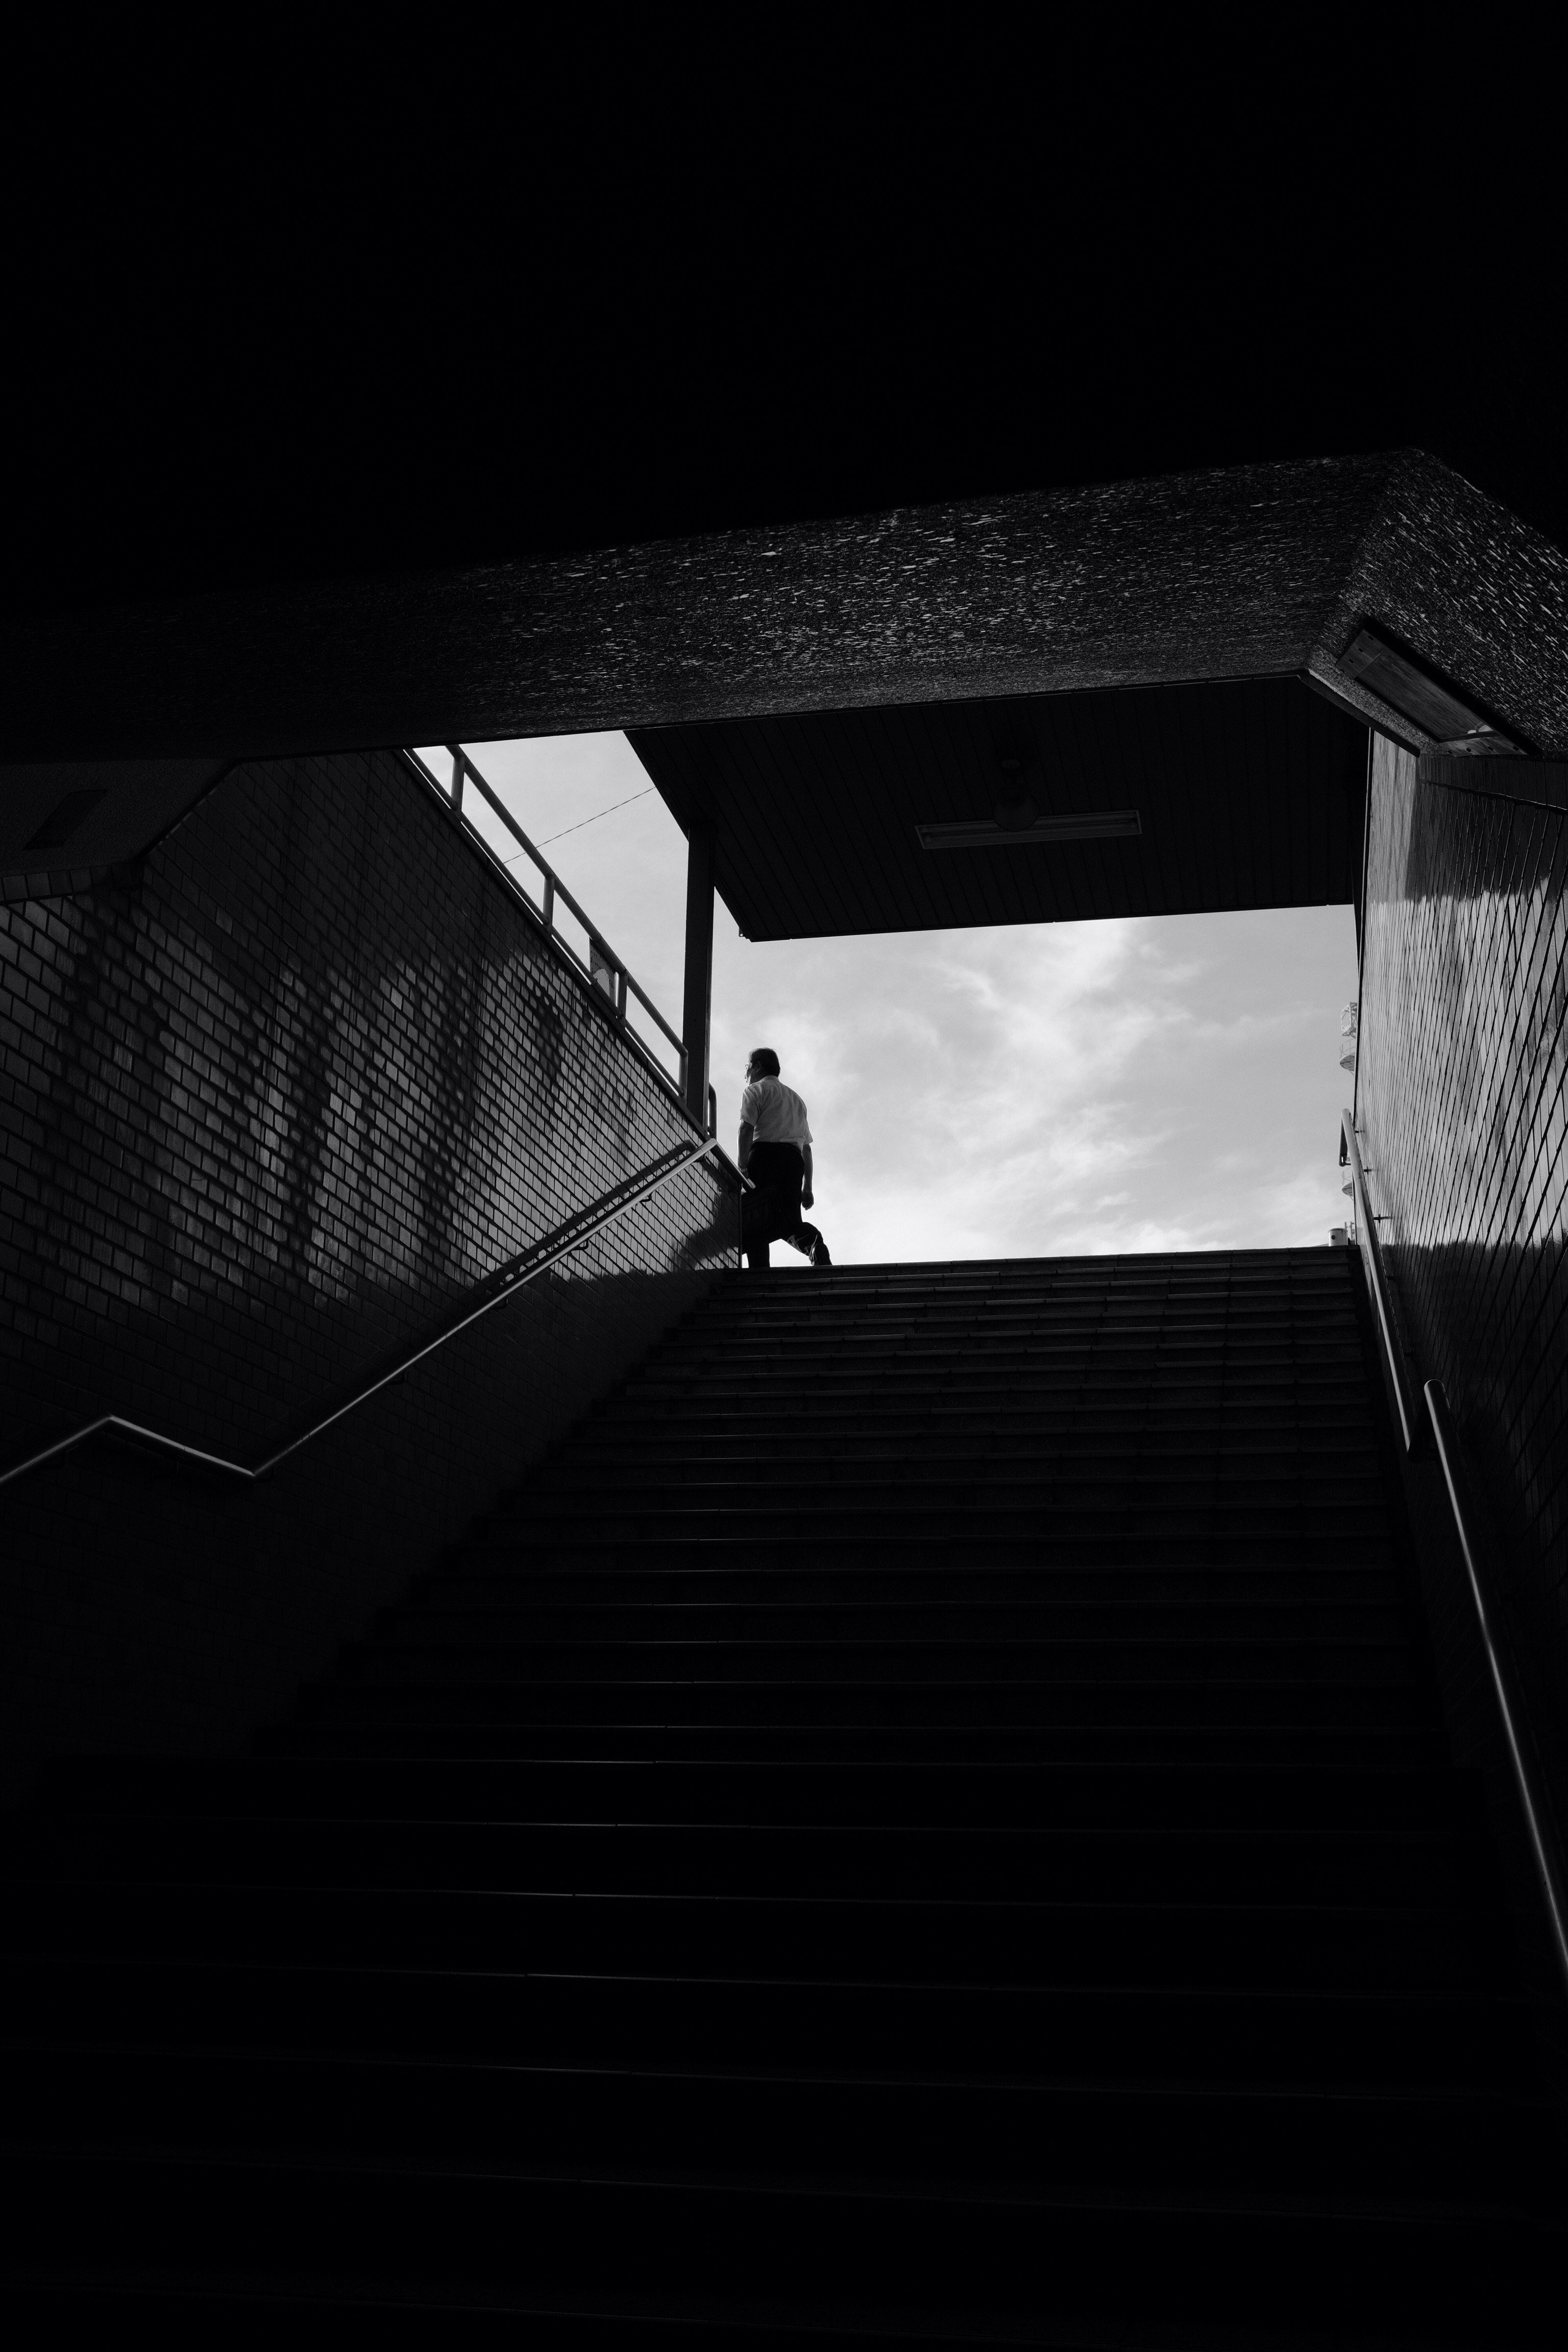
(1155, 1083)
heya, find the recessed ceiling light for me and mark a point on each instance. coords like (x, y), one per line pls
(983, 833)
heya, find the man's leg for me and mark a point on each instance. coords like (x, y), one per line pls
(787, 1175)
(790, 1182)
(770, 1214)
(754, 1230)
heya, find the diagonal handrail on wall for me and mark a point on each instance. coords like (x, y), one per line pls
(497, 1288)
(1366, 1225)
(1533, 1802)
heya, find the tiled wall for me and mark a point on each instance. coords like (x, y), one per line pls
(270, 1104)
(267, 1107)
(1463, 1055)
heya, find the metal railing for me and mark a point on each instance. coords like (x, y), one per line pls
(1533, 1802)
(1531, 1796)
(1366, 1223)
(602, 971)
(497, 1288)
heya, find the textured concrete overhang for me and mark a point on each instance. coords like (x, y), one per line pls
(1249, 571)
(803, 691)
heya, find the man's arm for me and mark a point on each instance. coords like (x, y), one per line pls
(743, 1150)
(805, 1193)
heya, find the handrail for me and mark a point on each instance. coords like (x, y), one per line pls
(1366, 1234)
(504, 1284)
(1536, 1814)
(605, 971)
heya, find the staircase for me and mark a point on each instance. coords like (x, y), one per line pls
(927, 1818)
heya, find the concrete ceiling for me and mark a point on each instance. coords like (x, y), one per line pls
(1249, 795)
(1246, 572)
(1388, 585)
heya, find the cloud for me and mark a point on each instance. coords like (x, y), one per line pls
(1139, 1084)
(1125, 1086)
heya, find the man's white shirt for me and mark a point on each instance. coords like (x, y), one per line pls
(774, 1113)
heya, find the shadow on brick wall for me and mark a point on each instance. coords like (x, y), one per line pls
(273, 1102)
(148, 1608)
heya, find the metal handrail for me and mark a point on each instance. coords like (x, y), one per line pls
(1543, 1846)
(1537, 1812)
(504, 1284)
(605, 971)
(1366, 1234)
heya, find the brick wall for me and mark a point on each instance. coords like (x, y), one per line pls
(1463, 1056)
(271, 1103)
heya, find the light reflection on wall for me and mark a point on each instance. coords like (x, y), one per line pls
(1460, 1098)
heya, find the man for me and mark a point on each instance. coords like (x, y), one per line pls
(776, 1152)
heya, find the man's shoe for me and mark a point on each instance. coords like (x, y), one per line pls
(819, 1252)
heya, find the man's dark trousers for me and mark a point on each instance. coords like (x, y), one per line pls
(772, 1214)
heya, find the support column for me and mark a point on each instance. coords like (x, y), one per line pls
(697, 1007)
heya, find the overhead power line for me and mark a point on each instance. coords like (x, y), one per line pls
(587, 820)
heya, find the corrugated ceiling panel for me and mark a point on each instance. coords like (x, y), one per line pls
(1250, 795)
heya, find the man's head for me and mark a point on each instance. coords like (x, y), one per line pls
(763, 1064)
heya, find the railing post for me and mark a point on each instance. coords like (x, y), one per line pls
(697, 1005)
(605, 972)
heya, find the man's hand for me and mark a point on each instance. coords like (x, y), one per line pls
(808, 1198)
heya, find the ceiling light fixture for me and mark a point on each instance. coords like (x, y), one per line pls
(986, 832)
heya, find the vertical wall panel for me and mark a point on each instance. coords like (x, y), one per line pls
(1460, 1096)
